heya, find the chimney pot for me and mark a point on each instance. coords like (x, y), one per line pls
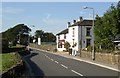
(81, 18)
(74, 21)
(68, 24)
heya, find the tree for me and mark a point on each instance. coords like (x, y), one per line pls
(39, 33)
(106, 28)
(14, 33)
(45, 36)
(49, 37)
(67, 46)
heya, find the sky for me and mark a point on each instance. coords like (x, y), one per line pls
(48, 16)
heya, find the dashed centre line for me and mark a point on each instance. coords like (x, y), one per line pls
(76, 72)
(52, 60)
(56, 62)
(64, 66)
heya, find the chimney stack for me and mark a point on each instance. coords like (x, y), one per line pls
(74, 21)
(81, 19)
(68, 24)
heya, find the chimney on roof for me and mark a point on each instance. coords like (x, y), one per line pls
(81, 18)
(74, 21)
(68, 24)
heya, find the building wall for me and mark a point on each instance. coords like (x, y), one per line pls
(84, 37)
(61, 38)
(73, 36)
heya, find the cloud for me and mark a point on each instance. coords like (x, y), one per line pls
(11, 10)
(50, 21)
(81, 12)
(55, 24)
(48, 16)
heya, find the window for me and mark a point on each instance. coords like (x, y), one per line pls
(64, 36)
(60, 45)
(73, 32)
(88, 41)
(88, 31)
(58, 37)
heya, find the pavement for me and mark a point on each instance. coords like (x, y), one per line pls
(66, 54)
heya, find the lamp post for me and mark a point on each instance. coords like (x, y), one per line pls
(29, 38)
(93, 47)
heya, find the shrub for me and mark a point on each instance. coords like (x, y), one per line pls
(67, 46)
(5, 43)
(89, 48)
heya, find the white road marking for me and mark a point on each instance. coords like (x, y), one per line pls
(76, 72)
(48, 57)
(56, 62)
(64, 66)
(52, 60)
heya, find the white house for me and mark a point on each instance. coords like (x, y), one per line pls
(79, 35)
(61, 39)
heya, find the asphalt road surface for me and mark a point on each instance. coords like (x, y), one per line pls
(47, 64)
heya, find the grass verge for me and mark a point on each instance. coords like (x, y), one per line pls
(8, 60)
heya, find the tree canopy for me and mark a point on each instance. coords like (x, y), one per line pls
(107, 27)
(12, 34)
(45, 36)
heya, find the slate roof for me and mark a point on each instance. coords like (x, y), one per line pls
(83, 23)
(63, 32)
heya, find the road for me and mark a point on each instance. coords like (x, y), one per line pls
(48, 64)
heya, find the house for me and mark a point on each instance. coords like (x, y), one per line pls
(79, 35)
(61, 39)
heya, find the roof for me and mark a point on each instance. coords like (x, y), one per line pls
(83, 23)
(63, 32)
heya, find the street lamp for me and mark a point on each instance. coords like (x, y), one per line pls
(93, 47)
(29, 37)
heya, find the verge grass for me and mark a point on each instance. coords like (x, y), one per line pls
(7, 60)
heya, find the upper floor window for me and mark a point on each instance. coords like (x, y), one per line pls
(88, 31)
(58, 37)
(73, 32)
(64, 36)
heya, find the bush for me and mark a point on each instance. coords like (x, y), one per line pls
(89, 48)
(5, 44)
(67, 46)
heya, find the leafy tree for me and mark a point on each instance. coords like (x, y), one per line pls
(106, 28)
(5, 44)
(48, 37)
(45, 36)
(39, 33)
(14, 33)
(67, 46)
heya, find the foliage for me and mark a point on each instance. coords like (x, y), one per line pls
(39, 33)
(5, 44)
(45, 36)
(89, 48)
(106, 28)
(13, 34)
(67, 45)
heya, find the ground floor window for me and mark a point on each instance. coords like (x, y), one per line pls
(59, 44)
(88, 41)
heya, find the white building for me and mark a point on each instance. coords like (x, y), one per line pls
(61, 39)
(79, 35)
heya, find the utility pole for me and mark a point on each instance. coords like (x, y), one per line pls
(93, 47)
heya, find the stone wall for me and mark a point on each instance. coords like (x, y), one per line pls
(110, 58)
